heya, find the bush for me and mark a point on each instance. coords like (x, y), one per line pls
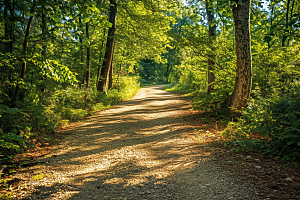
(14, 130)
(213, 102)
(42, 119)
(271, 126)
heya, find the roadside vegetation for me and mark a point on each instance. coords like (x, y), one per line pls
(63, 61)
(205, 65)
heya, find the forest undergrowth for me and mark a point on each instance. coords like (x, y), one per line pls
(269, 126)
(33, 122)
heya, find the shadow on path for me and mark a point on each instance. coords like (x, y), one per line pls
(139, 149)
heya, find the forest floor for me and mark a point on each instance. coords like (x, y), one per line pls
(150, 147)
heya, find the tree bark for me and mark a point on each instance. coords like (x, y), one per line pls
(102, 85)
(6, 26)
(11, 34)
(88, 63)
(44, 25)
(8, 44)
(284, 37)
(81, 53)
(167, 72)
(211, 32)
(120, 68)
(111, 72)
(100, 60)
(23, 65)
(291, 15)
(243, 81)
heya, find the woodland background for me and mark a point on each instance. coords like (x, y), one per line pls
(61, 61)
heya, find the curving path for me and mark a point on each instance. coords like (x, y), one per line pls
(139, 149)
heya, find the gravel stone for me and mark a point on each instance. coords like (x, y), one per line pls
(139, 149)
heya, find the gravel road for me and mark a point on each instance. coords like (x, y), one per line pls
(139, 149)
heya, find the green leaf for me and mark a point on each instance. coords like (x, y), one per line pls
(49, 7)
(87, 19)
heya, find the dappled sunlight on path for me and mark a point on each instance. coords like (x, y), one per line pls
(130, 151)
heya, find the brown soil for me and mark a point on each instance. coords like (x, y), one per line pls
(273, 180)
(269, 175)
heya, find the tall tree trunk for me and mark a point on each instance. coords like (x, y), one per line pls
(111, 72)
(109, 47)
(272, 10)
(44, 25)
(44, 47)
(81, 52)
(211, 32)
(284, 37)
(62, 44)
(6, 26)
(100, 60)
(243, 81)
(4, 72)
(167, 72)
(23, 65)
(120, 68)
(11, 33)
(291, 15)
(88, 63)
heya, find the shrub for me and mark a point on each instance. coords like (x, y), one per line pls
(213, 102)
(14, 130)
(271, 126)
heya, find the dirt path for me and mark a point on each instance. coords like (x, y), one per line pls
(140, 149)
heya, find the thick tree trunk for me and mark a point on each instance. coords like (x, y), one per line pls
(212, 32)
(88, 63)
(109, 48)
(111, 73)
(100, 60)
(23, 65)
(243, 81)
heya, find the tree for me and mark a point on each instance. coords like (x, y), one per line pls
(243, 80)
(110, 43)
(88, 62)
(111, 72)
(81, 49)
(23, 65)
(211, 32)
(100, 59)
(44, 47)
